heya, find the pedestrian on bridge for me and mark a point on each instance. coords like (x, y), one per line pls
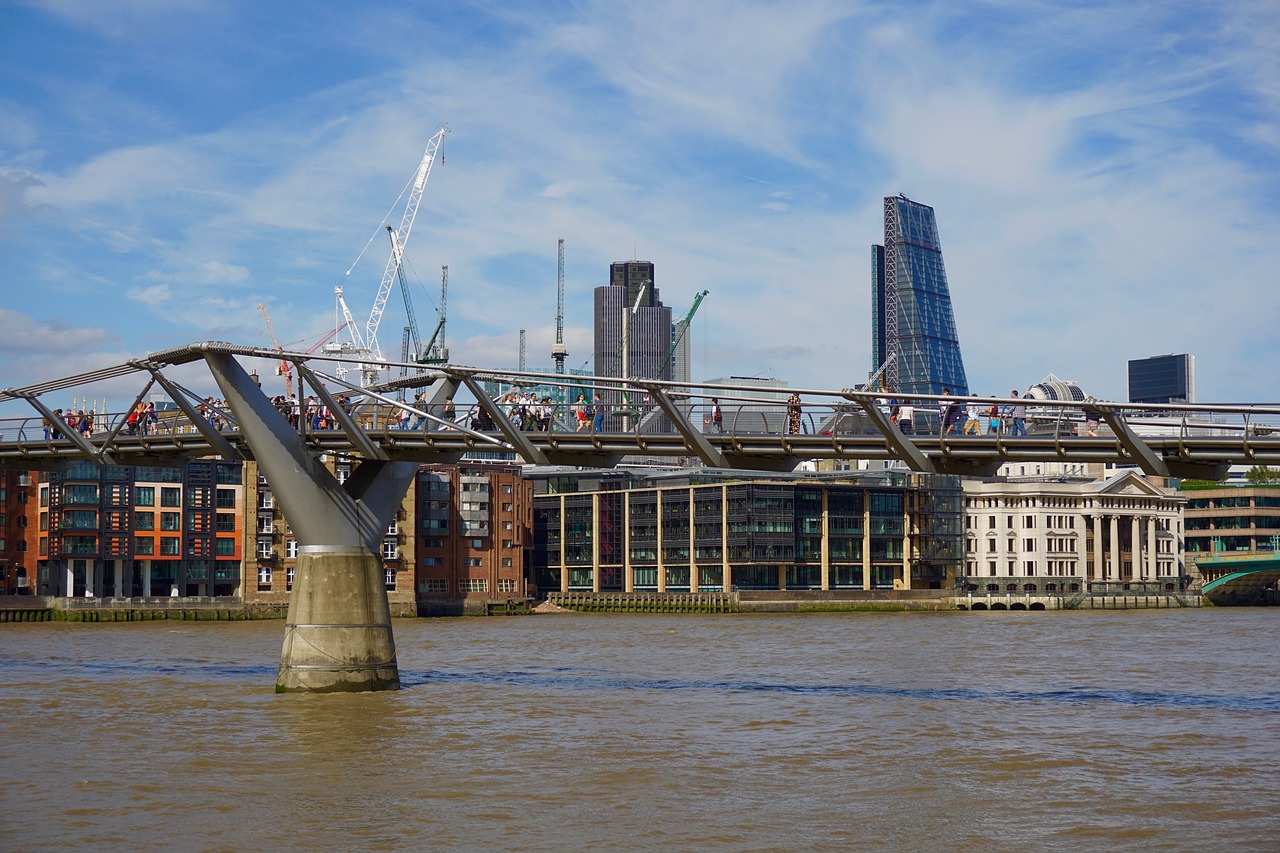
(1018, 416)
(793, 414)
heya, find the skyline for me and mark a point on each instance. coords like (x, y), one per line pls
(1106, 180)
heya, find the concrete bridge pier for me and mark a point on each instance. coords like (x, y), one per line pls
(338, 630)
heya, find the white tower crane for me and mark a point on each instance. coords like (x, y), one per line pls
(401, 239)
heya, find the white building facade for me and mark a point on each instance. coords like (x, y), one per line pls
(1061, 535)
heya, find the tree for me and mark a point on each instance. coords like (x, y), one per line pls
(1261, 475)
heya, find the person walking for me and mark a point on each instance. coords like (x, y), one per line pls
(717, 416)
(793, 414)
(1091, 418)
(1017, 416)
(949, 411)
(597, 407)
(906, 417)
(580, 412)
(973, 423)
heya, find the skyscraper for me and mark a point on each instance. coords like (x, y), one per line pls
(650, 333)
(1163, 379)
(912, 327)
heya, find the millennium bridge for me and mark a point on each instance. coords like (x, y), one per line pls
(338, 630)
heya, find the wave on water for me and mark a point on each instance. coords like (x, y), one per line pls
(566, 678)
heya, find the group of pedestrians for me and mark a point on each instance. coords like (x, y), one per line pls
(964, 419)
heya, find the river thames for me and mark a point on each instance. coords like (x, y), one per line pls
(1132, 730)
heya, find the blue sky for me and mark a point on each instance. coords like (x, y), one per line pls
(1106, 176)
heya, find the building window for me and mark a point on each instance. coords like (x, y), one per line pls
(144, 496)
(393, 528)
(225, 522)
(432, 561)
(225, 547)
(143, 546)
(265, 551)
(390, 550)
(170, 521)
(476, 543)
(170, 546)
(434, 585)
(506, 562)
(506, 487)
(475, 584)
(226, 499)
(265, 500)
(506, 543)
(506, 584)
(170, 497)
(289, 577)
(474, 562)
(264, 575)
(144, 521)
(266, 524)
(291, 548)
(506, 507)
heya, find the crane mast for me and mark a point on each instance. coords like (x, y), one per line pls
(284, 369)
(401, 237)
(558, 351)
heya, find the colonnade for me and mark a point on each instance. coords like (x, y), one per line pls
(1108, 557)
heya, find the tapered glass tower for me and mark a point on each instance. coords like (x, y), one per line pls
(912, 327)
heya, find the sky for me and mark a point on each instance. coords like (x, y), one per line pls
(1105, 176)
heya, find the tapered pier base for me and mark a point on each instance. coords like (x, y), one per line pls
(338, 635)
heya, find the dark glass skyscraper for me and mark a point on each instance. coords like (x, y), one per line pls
(1163, 379)
(649, 337)
(912, 327)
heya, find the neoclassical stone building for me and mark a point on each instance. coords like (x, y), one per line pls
(1060, 534)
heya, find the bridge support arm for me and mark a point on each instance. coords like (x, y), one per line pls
(179, 397)
(519, 441)
(696, 441)
(1150, 463)
(906, 449)
(102, 457)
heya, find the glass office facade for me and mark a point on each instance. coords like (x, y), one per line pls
(911, 305)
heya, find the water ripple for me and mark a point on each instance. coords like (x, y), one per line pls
(565, 678)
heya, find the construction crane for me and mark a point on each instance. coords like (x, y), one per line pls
(681, 327)
(875, 377)
(409, 346)
(558, 351)
(284, 369)
(366, 346)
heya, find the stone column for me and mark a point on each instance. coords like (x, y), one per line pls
(118, 567)
(564, 549)
(693, 560)
(1152, 553)
(1136, 547)
(1099, 567)
(70, 576)
(595, 542)
(1115, 549)
(662, 566)
(146, 578)
(628, 571)
(824, 546)
(724, 539)
(866, 539)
